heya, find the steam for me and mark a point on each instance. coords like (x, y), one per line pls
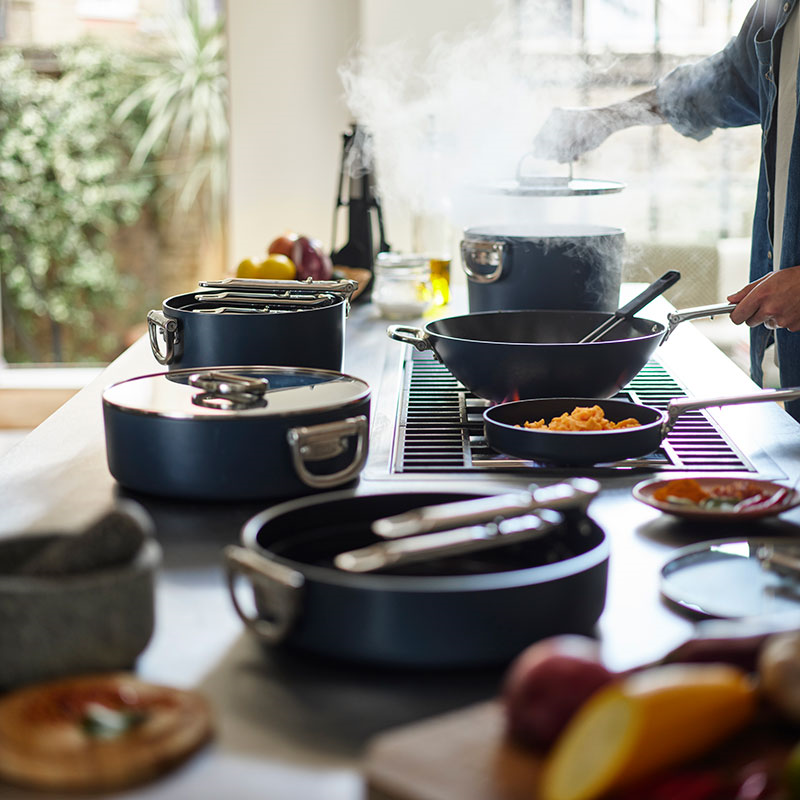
(459, 119)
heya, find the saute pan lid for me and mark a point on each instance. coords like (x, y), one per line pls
(534, 181)
(236, 391)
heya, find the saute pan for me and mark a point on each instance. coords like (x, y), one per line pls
(504, 432)
(464, 610)
(511, 355)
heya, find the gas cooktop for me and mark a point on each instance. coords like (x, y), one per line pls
(436, 428)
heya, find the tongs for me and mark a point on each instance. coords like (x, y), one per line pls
(469, 525)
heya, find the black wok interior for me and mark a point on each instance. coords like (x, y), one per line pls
(537, 327)
(314, 534)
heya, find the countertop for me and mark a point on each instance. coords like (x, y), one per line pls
(293, 726)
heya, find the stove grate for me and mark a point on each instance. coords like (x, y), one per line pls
(439, 428)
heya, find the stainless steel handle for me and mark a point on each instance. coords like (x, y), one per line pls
(477, 253)
(428, 546)
(574, 493)
(327, 441)
(677, 407)
(408, 335)
(277, 592)
(697, 312)
(344, 287)
(159, 324)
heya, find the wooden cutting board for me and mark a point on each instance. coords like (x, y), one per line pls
(463, 755)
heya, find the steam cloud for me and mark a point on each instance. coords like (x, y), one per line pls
(458, 119)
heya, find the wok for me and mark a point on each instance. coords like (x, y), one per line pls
(509, 355)
(503, 432)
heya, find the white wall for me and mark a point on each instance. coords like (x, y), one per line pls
(287, 115)
(288, 111)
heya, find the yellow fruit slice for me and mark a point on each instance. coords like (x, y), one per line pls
(644, 723)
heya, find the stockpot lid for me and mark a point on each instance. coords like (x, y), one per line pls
(220, 392)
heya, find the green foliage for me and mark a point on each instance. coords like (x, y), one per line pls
(184, 92)
(65, 188)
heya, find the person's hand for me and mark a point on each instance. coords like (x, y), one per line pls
(569, 132)
(773, 300)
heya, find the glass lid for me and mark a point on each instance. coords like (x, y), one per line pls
(235, 391)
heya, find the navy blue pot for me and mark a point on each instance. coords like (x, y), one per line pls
(460, 611)
(237, 432)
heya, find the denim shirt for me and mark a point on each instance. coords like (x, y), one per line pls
(736, 87)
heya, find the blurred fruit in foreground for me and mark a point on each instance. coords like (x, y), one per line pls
(779, 673)
(644, 723)
(274, 267)
(547, 683)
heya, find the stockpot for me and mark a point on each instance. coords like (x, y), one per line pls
(555, 267)
(250, 321)
(463, 610)
(237, 432)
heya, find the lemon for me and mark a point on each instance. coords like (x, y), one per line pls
(274, 267)
(644, 723)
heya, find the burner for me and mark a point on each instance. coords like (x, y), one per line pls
(439, 429)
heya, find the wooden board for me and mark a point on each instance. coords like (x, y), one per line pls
(465, 755)
(461, 755)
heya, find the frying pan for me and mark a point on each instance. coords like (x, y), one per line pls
(510, 355)
(502, 425)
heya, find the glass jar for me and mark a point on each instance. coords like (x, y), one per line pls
(402, 288)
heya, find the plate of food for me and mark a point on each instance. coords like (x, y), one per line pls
(710, 498)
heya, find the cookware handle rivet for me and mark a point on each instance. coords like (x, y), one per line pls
(408, 335)
(325, 442)
(491, 254)
(277, 590)
(159, 324)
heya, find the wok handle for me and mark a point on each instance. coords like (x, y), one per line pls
(277, 591)
(325, 442)
(677, 407)
(158, 323)
(484, 254)
(697, 312)
(408, 335)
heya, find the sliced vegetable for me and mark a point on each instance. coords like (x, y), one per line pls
(644, 723)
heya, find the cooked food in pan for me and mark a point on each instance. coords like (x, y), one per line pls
(582, 418)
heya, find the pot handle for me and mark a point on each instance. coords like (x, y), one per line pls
(474, 254)
(324, 442)
(698, 312)
(408, 335)
(677, 407)
(159, 324)
(277, 588)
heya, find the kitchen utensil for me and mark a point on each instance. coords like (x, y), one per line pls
(469, 610)
(237, 432)
(65, 611)
(251, 321)
(504, 355)
(644, 492)
(726, 578)
(575, 493)
(553, 267)
(655, 289)
(445, 544)
(505, 431)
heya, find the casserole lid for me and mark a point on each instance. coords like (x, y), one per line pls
(231, 392)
